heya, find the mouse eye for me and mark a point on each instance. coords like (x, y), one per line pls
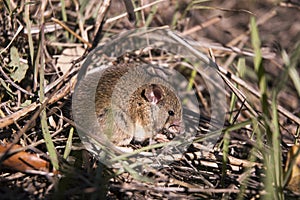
(171, 113)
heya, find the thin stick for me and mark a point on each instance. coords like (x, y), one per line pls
(130, 10)
(72, 32)
(202, 26)
(135, 10)
(14, 84)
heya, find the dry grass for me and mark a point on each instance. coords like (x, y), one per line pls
(42, 45)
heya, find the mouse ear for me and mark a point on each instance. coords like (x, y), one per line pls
(153, 94)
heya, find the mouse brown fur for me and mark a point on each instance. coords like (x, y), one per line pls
(133, 105)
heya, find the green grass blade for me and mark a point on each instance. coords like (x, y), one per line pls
(277, 150)
(46, 133)
(259, 69)
(295, 59)
(151, 15)
(69, 144)
(63, 10)
(272, 157)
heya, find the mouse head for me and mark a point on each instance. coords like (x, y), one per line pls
(156, 108)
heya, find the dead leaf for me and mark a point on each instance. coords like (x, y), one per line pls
(64, 62)
(19, 68)
(23, 161)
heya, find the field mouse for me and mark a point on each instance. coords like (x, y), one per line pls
(134, 104)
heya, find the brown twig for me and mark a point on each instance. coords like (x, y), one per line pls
(130, 10)
(212, 21)
(72, 32)
(14, 84)
(100, 22)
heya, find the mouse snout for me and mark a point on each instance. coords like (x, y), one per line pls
(176, 126)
